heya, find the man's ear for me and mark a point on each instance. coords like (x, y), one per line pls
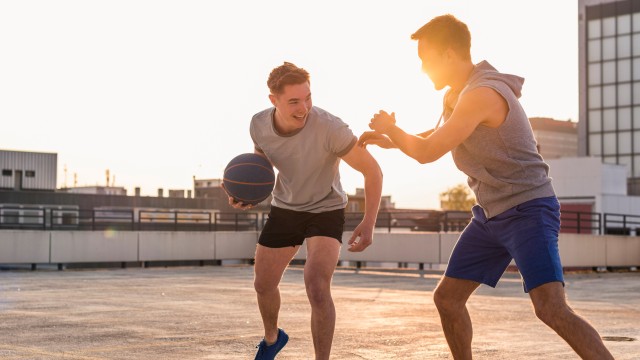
(452, 55)
(272, 98)
(449, 54)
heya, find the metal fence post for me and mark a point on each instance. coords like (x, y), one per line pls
(579, 226)
(599, 224)
(175, 221)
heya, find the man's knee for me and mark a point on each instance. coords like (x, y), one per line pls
(552, 313)
(318, 292)
(445, 302)
(264, 286)
(550, 305)
(439, 298)
(451, 295)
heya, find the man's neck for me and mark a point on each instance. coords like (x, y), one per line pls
(461, 76)
(280, 125)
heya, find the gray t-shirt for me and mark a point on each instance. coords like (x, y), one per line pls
(307, 160)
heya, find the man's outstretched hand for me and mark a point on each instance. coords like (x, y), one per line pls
(382, 122)
(374, 138)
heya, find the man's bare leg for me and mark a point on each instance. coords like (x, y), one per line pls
(270, 264)
(450, 298)
(322, 258)
(549, 302)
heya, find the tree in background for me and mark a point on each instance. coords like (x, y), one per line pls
(458, 198)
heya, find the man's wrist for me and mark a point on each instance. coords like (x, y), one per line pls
(390, 130)
(369, 219)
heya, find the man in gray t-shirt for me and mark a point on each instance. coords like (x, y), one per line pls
(306, 144)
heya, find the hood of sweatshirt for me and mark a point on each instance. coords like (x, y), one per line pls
(483, 71)
(482, 74)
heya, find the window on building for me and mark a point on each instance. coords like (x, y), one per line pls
(624, 118)
(7, 172)
(624, 24)
(30, 173)
(624, 143)
(612, 64)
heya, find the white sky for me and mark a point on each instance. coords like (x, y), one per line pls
(161, 91)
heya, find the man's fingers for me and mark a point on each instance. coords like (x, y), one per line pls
(363, 140)
(239, 205)
(360, 245)
(353, 244)
(357, 247)
(353, 238)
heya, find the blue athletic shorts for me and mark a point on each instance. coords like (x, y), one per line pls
(527, 233)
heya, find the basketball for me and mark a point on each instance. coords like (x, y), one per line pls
(249, 178)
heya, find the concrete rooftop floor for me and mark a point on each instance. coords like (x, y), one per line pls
(211, 313)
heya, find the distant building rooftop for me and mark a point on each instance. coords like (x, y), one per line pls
(95, 190)
(549, 124)
(555, 138)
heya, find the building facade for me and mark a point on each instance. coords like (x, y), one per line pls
(556, 139)
(27, 170)
(356, 202)
(609, 63)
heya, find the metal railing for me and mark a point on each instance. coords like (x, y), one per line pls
(165, 220)
(621, 224)
(126, 219)
(160, 220)
(580, 222)
(237, 222)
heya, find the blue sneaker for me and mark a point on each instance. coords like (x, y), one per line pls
(269, 352)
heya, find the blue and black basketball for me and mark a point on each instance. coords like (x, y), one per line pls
(249, 178)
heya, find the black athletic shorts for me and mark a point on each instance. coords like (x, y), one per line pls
(289, 228)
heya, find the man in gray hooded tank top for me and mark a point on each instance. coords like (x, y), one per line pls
(517, 216)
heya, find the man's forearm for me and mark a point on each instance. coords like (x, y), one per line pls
(408, 144)
(372, 194)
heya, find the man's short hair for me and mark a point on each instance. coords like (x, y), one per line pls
(286, 74)
(446, 31)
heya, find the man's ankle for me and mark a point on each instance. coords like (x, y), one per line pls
(271, 340)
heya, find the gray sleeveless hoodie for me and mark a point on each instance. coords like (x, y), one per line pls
(503, 164)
